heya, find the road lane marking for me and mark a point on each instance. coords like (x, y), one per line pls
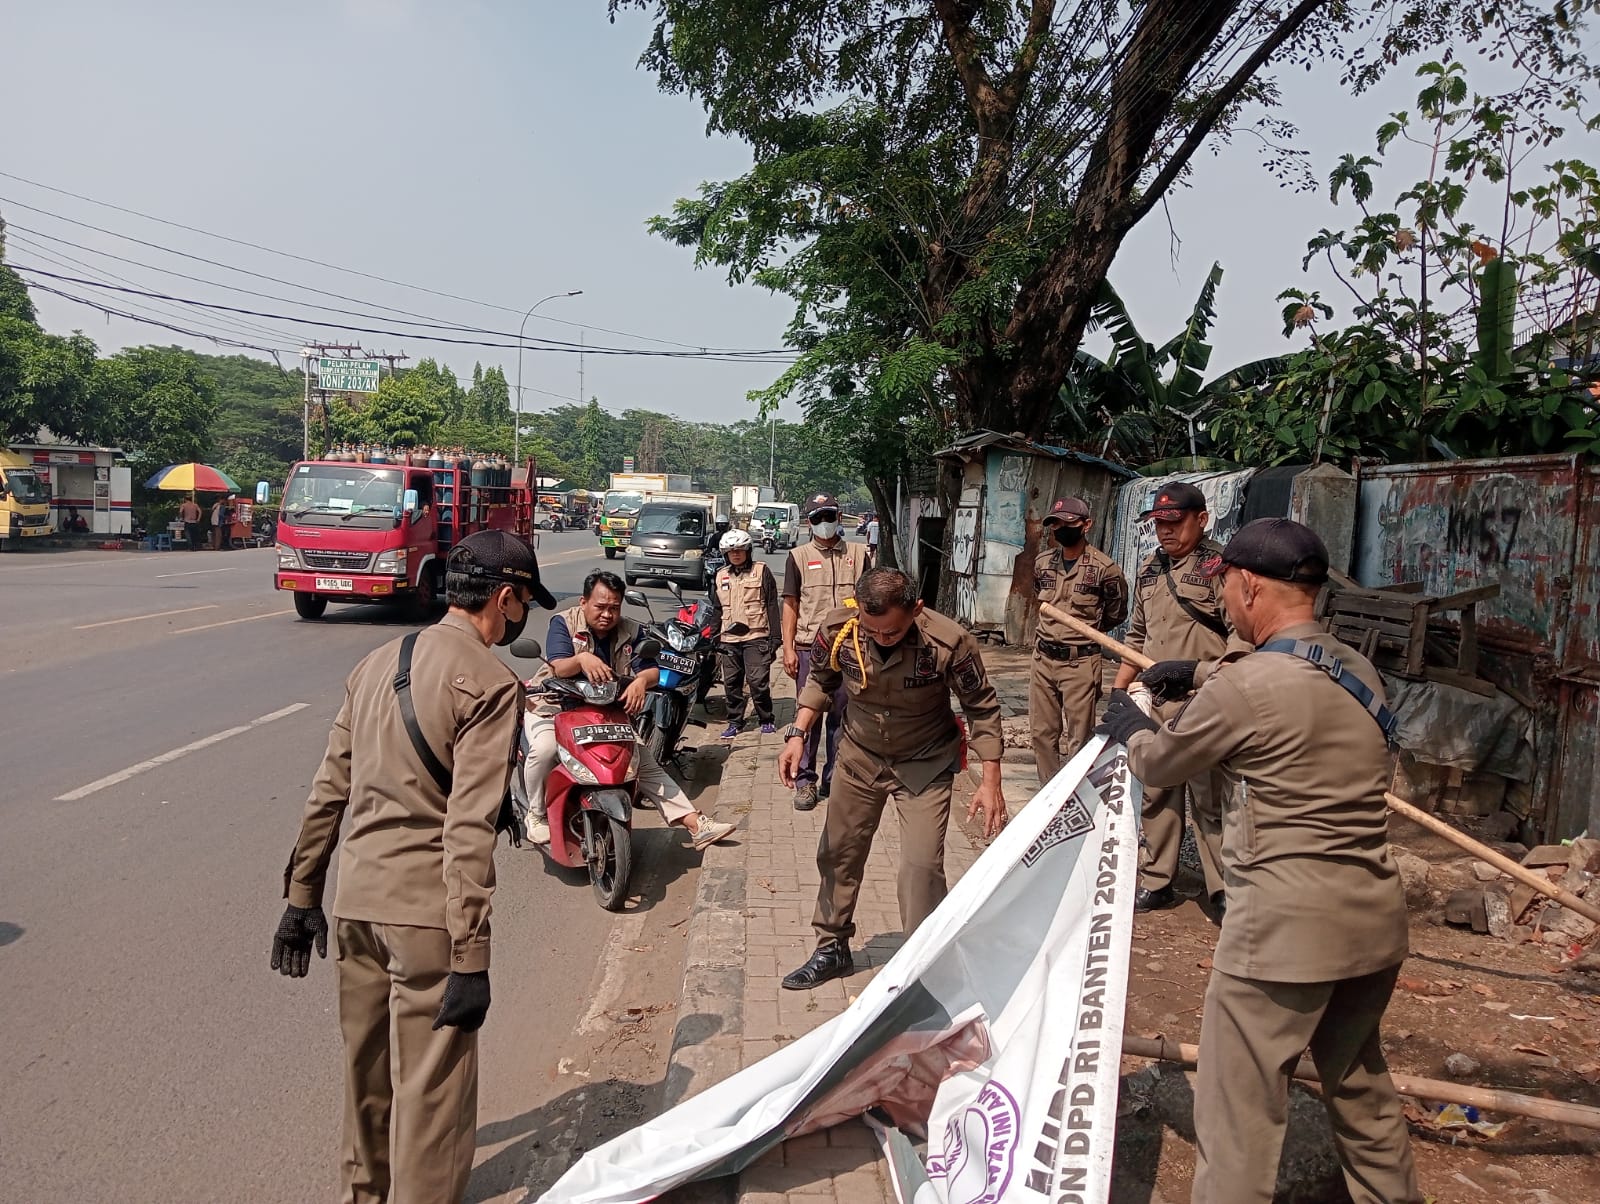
(132, 771)
(70, 564)
(232, 568)
(273, 614)
(136, 618)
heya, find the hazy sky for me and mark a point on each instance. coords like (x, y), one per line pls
(500, 152)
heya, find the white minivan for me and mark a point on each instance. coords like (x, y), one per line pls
(776, 525)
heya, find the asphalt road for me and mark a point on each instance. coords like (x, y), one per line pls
(162, 716)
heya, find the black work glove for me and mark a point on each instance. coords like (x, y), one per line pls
(1169, 680)
(466, 1002)
(291, 944)
(1123, 718)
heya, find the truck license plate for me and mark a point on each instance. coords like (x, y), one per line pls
(338, 583)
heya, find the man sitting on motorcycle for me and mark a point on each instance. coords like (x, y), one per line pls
(595, 642)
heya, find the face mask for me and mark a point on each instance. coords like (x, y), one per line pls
(513, 631)
(825, 530)
(1069, 537)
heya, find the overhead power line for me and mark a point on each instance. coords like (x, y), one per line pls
(774, 357)
(240, 242)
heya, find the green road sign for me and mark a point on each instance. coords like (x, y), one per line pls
(348, 376)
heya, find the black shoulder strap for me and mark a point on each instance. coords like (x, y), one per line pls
(408, 713)
(1388, 722)
(1209, 622)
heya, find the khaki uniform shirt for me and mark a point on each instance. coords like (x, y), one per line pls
(1313, 894)
(820, 579)
(1093, 589)
(751, 598)
(899, 712)
(413, 856)
(1161, 628)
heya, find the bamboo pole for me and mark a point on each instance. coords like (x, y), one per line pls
(1398, 805)
(1160, 1049)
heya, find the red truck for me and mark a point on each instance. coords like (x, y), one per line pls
(380, 532)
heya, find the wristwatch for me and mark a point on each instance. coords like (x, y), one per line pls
(794, 733)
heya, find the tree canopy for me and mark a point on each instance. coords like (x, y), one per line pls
(941, 188)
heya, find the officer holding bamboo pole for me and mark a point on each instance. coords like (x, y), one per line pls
(1316, 923)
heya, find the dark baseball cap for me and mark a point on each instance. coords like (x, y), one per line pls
(1073, 511)
(821, 502)
(500, 555)
(1173, 500)
(1274, 547)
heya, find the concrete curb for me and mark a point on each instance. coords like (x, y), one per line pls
(707, 1038)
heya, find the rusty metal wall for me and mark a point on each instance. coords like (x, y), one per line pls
(1464, 523)
(1531, 525)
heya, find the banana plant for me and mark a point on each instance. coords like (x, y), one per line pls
(1144, 408)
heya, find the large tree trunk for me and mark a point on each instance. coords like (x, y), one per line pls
(883, 502)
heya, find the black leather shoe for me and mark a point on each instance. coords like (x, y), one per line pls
(830, 961)
(1154, 900)
(1219, 904)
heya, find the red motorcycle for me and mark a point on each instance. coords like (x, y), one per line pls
(590, 793)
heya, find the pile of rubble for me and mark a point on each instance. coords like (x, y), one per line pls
(1496, 905)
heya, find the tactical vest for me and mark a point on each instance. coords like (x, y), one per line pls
(741, 597)
(827, 579)
(623, 637)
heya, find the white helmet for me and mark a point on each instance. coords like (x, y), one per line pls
(734, 539)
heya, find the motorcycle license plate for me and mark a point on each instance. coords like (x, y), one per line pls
(677, 663)
(338, 583)
(603, 733)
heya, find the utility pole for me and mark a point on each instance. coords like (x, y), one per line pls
(1189, 416)
(582, 400)
(384, 355)
(772, 451)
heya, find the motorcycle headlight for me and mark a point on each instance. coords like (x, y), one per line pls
(680, 639)
(580, 772)
(288, 558)
(391, 563)
(601, 694)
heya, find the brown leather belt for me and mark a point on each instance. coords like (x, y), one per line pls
(1055, 650)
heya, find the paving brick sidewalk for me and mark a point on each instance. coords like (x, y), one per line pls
(752, 925)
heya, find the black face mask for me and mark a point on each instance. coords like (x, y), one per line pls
(513, 631)
(1069, 537)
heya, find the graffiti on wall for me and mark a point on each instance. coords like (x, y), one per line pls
(1007, 515)
(1453, 531)
(964, 540)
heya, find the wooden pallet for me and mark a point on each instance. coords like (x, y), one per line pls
(1403, 630)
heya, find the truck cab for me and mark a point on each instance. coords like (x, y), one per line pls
(619, 513)
(353, 532)
(24, 501)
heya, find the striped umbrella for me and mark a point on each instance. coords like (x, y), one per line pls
(193, 478)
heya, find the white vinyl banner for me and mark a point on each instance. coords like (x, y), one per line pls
(995, 1032)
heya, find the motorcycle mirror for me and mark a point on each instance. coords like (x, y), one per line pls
(674, 590)
(634, 598)
(647, 650)
(527, 649)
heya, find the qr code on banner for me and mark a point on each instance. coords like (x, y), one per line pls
(1071, 821)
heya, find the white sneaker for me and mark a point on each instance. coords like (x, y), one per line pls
(538, 831)
(711, 832)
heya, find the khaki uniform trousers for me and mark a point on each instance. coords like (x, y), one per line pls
(410, 1094)
(1163, 824)
(1251, 1036)
(1061, 701)
(855, 808)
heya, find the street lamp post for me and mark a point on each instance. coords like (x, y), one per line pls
(516, 430)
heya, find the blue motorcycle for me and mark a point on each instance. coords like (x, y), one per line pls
(687, 664)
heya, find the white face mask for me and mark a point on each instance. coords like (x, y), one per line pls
(825, 530)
